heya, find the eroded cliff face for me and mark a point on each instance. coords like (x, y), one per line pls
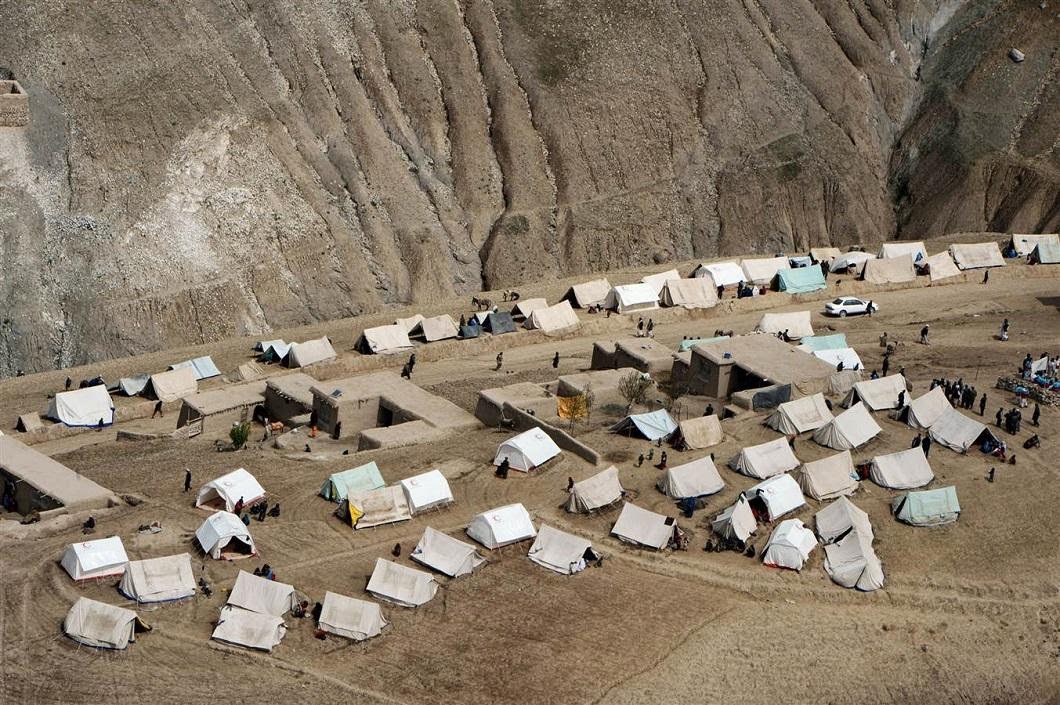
(201, 169)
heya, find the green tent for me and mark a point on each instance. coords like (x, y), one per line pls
(813, 343)
(360, 479)
(927, 507)
(691, 343)
(800, 280)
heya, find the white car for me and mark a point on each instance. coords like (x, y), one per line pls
(848, 306)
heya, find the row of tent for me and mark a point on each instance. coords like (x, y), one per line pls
(304, 354)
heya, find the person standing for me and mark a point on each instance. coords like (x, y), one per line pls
(886, 363)
(924, 334)
(500, 360)
(986, 277)
(1036, 415)
(917, 441)
(187, 479)
(640, 327)
(158, 409)
(926, 445)
(982, 404)
(555, 361)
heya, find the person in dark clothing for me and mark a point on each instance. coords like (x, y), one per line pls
(555, 361)
(570, 484)
(926, 445)
(886, 364)
(901, 399)
(990, 475)
(986, 276)
(916, 441)
(640, 460)
(69, 383)
(463, 322)
(318, 609)
(412, 362)
(275, 511)
(1032, 442)
(1036, 415)
(406, 371)
(662, 461)
(158, 409)
(239, 506)
(396, 550)
(982, 404)
(500, 360)
(99, 426)
(187, 479)
(997, 419)
(709, 411)
(502, 469)
(640, 325)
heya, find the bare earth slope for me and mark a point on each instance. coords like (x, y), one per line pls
(200, 169)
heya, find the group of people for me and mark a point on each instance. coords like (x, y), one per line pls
(959, 394)
(645, 329)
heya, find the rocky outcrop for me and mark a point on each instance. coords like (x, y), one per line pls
(200, 169)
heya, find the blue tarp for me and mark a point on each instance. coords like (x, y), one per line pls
(824, 342)
(800, 280)
(689, 344)
(203, 366)
(652, 425)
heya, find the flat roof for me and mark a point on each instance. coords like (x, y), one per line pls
(514, 393)
(224, 399)
(765, 356)
(51, 477)
(644, 349)
(297, 386)
(401, 393)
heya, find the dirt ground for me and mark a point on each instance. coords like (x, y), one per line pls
(970, 612)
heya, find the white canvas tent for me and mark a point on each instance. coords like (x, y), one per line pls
(839, 517)
(386, 505)
(852, 563)
(689, 293)
(796, 324)
(891, 250)
(778, 495)
(131, 386)
(789, 546)
(435, 328)
(630, 298)
(223, 530)
(383, 340)
(737, 522)
(262, 595)
(1046, 253)
(824, 254)
(445, 554)
(658, 281)
(847, 260)
(601, 490)
(721, 273)
(695, 479)
(226, 491)
(699, 432)
(928, 408)
(644, 528)
(250, 629)
(927, 507)
(90, 560)
(428, 490)
(1025, 244)
(525, 307)
(877, 394)
(588, 294)
(559, 551)
(652, 425)
(957, 431)
(799, 416)
(829, 477)
(765, 460)
(502, 526)
(203, 366)
(553, 319)
(100, 625)
(903, 470)
(82, 407)
(528, 450)
(941, 266)
(848, 356)
(761, 271)
(162, 579)
(852, 429)
(309, 353)
(977, 255)
(403, 586)
(173, 385)
(410, 323)
(351, 618)
(893, 270)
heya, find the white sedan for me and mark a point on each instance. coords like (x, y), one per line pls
(849, 306)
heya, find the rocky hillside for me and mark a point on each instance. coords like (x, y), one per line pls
(200, 169)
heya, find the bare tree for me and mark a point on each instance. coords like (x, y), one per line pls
(633, 388)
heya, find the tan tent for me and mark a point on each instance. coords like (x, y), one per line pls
(601, 490)
(695, 479)
(409, 323)
(762, 271)
(699, 432)
(561, 552)
(588, 294)
(250, 629)
(829, 477)
(689, 293)
(1025, 244)
(848, 260)
(644, 528)
(824, 254)
(309, 353)
(839, 517)
(977, 255)
(403, 586)
(435, 328)
(941, 266)
(957, 431)
(525, 307)
(891, 250)
(852, 429)
(893, 270)
(903, 470)
(173, 385)
(658, 281)
(852, 563)
(383, 340)
(878, 394)
(446, 554)
(553, 319)
(386, 505)
(797, 324)
(799, 416)
(630, 298)
(927, 409)
(737, 522)
(349, 617)
(721, 273)
(765, 460)
(262, 595)
(162, 579)
(102, 626)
